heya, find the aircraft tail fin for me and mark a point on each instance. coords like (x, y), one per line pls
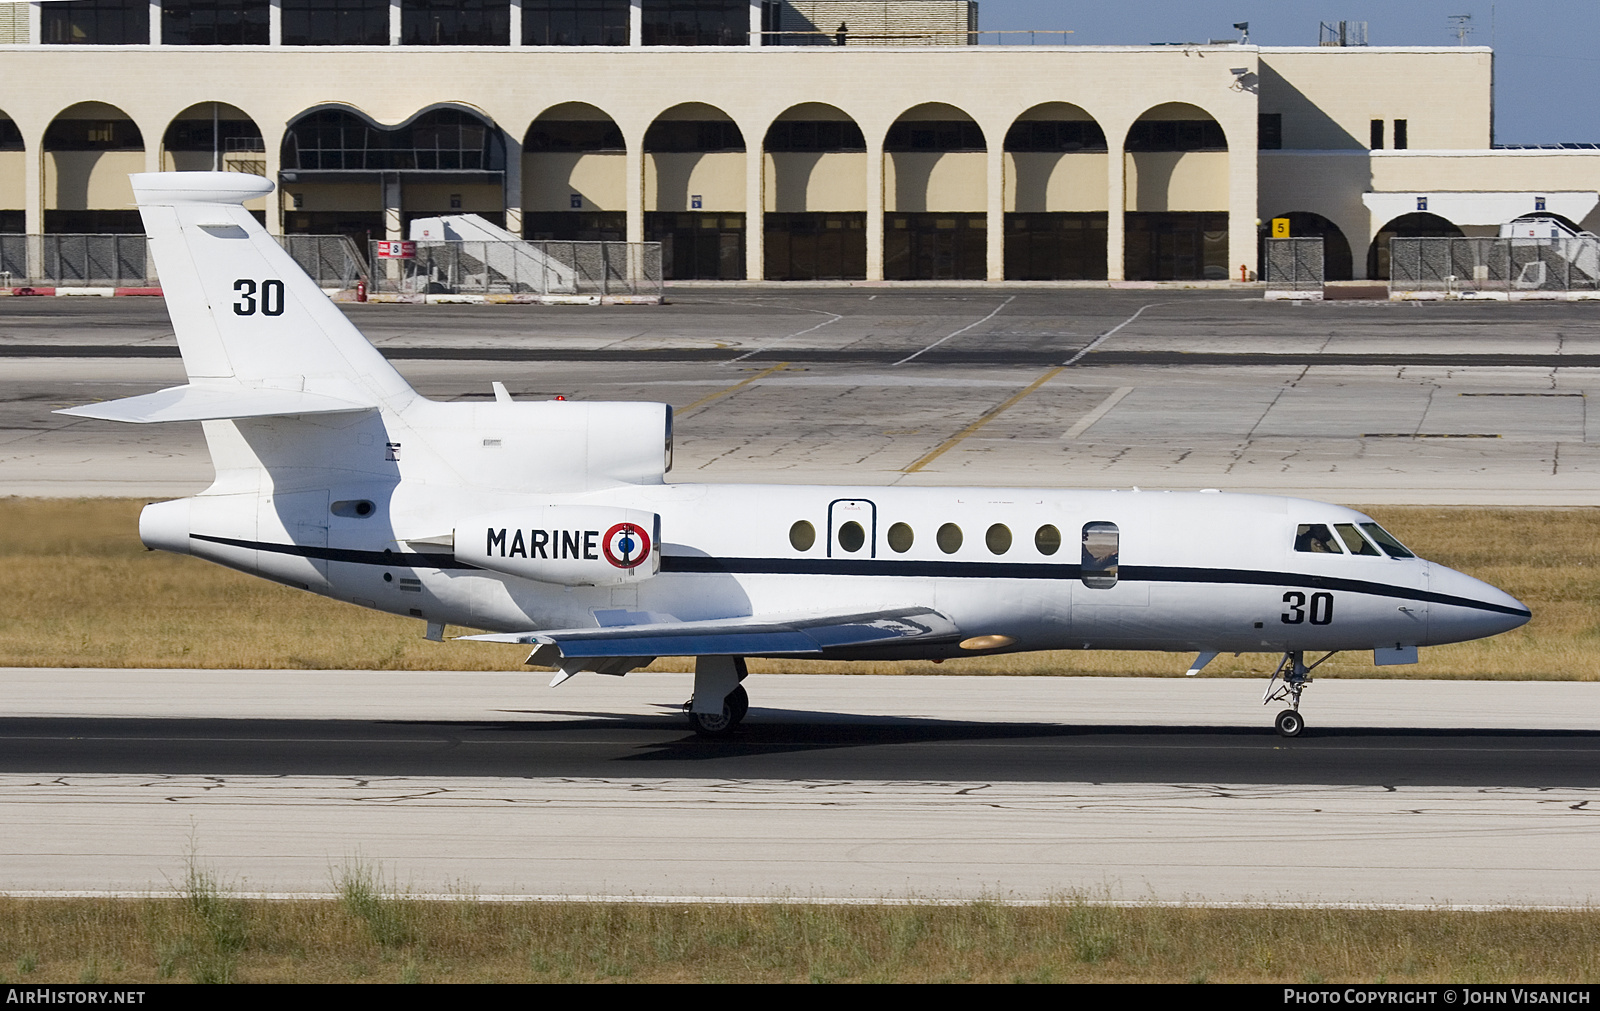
(244, 312)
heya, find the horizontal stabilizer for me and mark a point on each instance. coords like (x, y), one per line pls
(213, 403)
(751, 636)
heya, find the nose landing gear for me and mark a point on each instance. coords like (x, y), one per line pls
(1294, 675)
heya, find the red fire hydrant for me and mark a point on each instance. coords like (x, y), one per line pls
(1244, 274)
(361, 290)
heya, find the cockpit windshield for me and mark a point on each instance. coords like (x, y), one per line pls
(1316, 538)
(1386, 541)
(1353, 540)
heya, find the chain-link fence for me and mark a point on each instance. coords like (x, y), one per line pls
(124, 261)
(535, 269)
(1294, 264)
(1464, 267)
(333, 261)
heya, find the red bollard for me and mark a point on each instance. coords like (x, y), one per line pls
(361, 290)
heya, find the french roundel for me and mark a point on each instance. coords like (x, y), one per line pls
(626, 545)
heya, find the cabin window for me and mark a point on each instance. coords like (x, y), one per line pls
(1386, 541)
(852, 536)
(998, 539)
(1316, 538)
(1353, 540)
(802, 535)
(1047, 539)
(949, 538)
(1101, 545)
(900, 537)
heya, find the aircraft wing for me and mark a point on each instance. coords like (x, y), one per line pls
(213, 403)
(749, 636)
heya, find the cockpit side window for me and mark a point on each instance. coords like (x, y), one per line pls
(1317, 539)
(1386, 541)
(1353, 540)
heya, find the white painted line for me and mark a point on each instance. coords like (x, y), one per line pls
(963, 330)
(1107, 335)
(798, 333)
(1083, 424)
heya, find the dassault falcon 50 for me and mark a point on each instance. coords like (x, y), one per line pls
(551, 523)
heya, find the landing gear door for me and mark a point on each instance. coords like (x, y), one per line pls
(852, 528)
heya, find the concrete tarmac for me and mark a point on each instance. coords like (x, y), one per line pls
(1401, 793)
(1360, 403)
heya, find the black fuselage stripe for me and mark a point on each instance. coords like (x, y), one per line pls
(910, 568)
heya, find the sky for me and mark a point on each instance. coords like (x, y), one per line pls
(1547, 52)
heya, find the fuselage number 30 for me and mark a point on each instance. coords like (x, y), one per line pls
(269, 302)
(1320, 611)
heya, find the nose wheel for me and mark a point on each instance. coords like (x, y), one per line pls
(1288, 681)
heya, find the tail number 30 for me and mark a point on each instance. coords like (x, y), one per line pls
(1321, 608)
(270, 302)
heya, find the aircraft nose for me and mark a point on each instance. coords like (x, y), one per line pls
(1465, 608)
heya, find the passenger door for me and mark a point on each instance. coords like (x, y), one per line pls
(852, 528)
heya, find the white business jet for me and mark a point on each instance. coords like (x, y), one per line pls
(552, 524)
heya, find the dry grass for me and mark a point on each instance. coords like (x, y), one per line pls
(82, 592)
(208, 935)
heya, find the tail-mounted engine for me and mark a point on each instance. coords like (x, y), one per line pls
(571, 545)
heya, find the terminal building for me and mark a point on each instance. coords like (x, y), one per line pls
(776, 140)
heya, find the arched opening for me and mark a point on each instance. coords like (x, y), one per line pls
(1337, 262)
(13, 173)
(574, 176)
(694, 192)
(1056, 215)
(90, 150)
(215, 136)
(344, 173)
(815, 219)
(1417, 225)
(1175, 165)
(935, 189)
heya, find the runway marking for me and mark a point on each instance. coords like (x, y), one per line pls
(736, 387)
(958, 333)
(798, 333)
(1087, 421)
(984, 419)
(1108, 334)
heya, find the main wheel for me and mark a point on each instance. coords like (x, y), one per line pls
(1289, 723)
(734, 705)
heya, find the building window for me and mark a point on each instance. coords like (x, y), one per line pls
(93, 135)
(96, 23)
(1055, 136)
(455, 23)
(1400, 135)
(696, 22)
(934, 135)
(573, 135)
(689, 135)
(214, 22)
(1269, 131)
(335, 22)
(934, 247)
(1377, 135)
(815, 136)
(1177, 135)
(445, 140)
(574, 22)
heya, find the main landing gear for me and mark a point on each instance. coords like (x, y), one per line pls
(720, 701)
(1288, 681)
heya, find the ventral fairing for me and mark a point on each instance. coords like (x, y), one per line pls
(553, 524)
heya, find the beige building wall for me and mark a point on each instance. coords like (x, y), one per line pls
(1044, 181)
(90, 180)
(1176, 180)
(951, 181)
(671, 180)
(1329, 96)
(13, 179)
(333, 197)
(550, 179)
(476, 198)
(809, 181)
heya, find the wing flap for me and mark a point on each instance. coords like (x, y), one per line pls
(810, 633)
(213, 403)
